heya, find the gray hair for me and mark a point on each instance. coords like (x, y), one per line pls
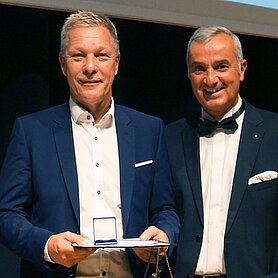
(87, 19)
(204, 34)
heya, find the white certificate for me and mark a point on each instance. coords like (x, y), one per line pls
(127, 243)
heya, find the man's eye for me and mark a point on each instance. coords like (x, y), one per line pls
(198, 70)
(102, 56)
(222, 67)
(78, 57)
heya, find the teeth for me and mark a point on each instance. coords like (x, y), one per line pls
(212, 91)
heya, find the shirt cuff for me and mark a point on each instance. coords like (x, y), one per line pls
(47, 258)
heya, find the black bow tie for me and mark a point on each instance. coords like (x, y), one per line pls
(207, 127)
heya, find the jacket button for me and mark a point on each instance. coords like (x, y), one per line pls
(198, 238)
(189, 276)
(103, 273)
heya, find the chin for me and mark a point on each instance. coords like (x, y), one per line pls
(215, 106)
(89, 94)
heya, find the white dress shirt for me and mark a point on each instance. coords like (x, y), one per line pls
(97, 161)
(218, 154)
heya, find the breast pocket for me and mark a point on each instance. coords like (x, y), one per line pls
(144, 173)
(264, 185)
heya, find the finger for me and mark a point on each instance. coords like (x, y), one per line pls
(74, 238)
(61, 251)
(149, 233)
(83, 251)
(161, 236)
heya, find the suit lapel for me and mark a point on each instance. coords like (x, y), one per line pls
(62, 131)
(251, 138)
(190, 139)
(126, 146)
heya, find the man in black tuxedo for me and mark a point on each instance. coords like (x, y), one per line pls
(224, 163)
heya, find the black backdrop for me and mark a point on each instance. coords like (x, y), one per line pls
(152, 76)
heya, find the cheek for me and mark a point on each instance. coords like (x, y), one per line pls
(73, 70)
(112, 69)
(231, 79)
(232, 87)
(72, 81)
(196, 84)
(109, 75)
(70, 77)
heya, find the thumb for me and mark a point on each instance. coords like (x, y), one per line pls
(149, 233)
(74, 238)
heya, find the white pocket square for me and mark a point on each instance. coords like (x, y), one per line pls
(264, 176)
(143, 163)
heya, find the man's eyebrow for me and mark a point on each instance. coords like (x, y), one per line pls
(194, 63)
(223, 61)
(74, 49)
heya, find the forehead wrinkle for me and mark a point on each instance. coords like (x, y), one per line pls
(84, 48)
(97, 35)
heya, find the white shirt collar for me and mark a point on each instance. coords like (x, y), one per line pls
(80, 115)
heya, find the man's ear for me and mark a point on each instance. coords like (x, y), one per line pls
(117, 62)
(243, 69)
(62, 64)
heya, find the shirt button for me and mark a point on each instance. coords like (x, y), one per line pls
(97, 164)
(103, 273)
(88, 117)
(98, 192)
(96, 138)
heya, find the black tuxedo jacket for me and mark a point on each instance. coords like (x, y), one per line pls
(251, 236)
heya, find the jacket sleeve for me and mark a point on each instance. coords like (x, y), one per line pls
(163, 210)
(16, 200)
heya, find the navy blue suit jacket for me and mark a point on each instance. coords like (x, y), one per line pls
(39, 185)
(251, 236)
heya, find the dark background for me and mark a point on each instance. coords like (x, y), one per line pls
(152, 76)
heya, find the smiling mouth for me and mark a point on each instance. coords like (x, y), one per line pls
(89, 82)
(213, 91)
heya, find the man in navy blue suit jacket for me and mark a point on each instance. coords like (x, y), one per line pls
(224, 163)
(84, 159)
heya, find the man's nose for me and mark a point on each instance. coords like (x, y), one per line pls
(211, 77)
(90, 64)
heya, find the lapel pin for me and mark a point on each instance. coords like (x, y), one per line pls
(256, 135)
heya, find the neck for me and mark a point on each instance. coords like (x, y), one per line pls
(98, 110)
(218, 115)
